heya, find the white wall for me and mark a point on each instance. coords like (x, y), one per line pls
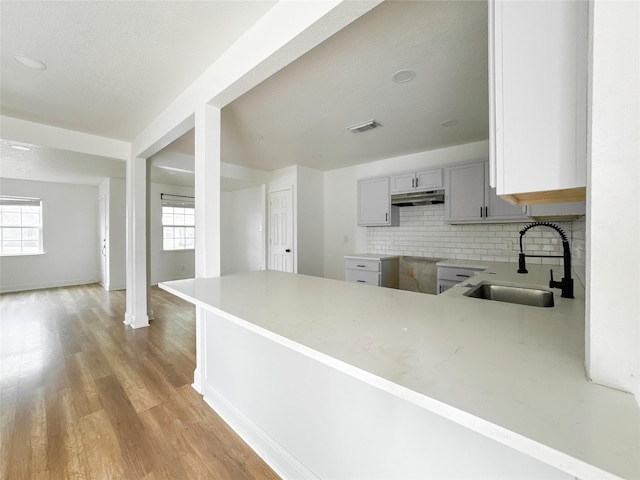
(242, 230)
(310, 221)
(70, 234)
(342, 236)
(171, 265)
(613, 225)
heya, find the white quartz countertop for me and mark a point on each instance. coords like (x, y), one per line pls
(370, 256)
(510, 372)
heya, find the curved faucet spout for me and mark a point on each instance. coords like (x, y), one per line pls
(566, 284)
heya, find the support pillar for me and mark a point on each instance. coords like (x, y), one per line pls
(137, 283)
(207, 204)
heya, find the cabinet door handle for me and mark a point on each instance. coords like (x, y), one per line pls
(360, 266)
(386, 217)
(361, 281)
(480, 212)
(417, 181)
(413, 183)
(461, 275)
(486, 212)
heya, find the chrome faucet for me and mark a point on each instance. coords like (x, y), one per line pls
(566, 284)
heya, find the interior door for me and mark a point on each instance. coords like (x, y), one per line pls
(281, 230)
(102, 241)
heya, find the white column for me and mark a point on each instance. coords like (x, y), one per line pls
(613, 222)
(137, 284)
(207, 203)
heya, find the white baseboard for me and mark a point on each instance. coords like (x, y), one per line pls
(41, 286)
(197, 382)
(274, 454)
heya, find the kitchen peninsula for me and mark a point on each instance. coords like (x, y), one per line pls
(329, 379)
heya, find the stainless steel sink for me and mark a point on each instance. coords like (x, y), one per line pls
(504, 292)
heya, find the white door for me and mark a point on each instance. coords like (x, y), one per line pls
(281, 230)
(102, 240)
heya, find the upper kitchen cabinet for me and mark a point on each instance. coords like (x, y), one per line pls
(470, 199)
(559, 212)
(418, 181)
(538, 100)
(374, 203)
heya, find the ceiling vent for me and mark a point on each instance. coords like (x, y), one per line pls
(364, 126)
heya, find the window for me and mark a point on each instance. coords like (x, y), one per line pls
(20, 226)
(178, 223)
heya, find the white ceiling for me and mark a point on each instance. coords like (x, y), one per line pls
(300, 114)
(115, 65)
(112, 66)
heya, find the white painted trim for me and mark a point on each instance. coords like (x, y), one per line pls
(139, 321)
(275, 455)
(197, 382)
(47, 136)
(41, 286)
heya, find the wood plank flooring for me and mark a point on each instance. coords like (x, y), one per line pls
(84, 396)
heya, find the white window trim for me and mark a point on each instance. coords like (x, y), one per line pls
(25, 201)
(175, 201)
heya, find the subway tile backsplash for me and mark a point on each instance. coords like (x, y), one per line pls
(422, 232)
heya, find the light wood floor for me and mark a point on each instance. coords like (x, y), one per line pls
(84, 396)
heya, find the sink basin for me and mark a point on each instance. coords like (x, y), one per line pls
(503, 292)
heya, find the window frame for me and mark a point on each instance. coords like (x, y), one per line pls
(185, 207)
(21, 203)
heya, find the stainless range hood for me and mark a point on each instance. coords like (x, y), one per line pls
(417, 198)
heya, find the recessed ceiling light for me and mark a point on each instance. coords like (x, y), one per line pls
(450, 123)
(403, 76)
(29, 62)
(364, 126)
(21, 148)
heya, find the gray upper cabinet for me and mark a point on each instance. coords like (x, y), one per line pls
(470, 199)
(417, 181)
(374, 203)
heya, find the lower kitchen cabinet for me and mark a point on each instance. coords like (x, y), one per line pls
(470, 199)
(450, 275)
(374, 270)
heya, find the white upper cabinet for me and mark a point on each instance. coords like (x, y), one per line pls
(538, 99)
(374, 203)
(417, 181)
(470, 199)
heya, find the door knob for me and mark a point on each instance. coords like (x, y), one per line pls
(288, 250)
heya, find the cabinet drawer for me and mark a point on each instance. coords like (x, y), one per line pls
(366, 265)
(444, 285)
(357, 276)
(456, 274)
